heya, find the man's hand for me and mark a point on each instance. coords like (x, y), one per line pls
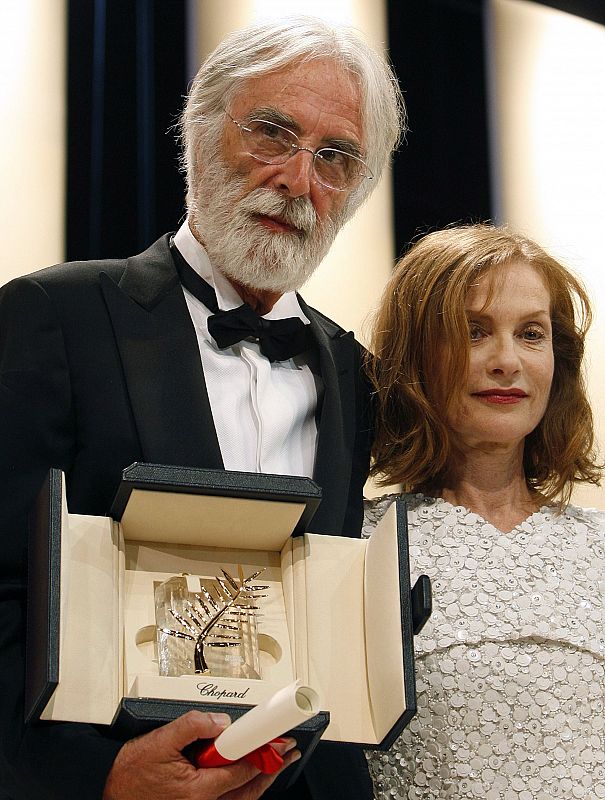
(152, 767)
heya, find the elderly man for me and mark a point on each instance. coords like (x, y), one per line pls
(199, 352)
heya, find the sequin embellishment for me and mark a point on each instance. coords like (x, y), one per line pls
(510, 668)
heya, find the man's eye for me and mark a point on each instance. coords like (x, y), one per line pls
(333, 157)
(268, 130)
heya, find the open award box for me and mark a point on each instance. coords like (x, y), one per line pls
(332, 612)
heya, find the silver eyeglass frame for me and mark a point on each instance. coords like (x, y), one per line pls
(295, 148)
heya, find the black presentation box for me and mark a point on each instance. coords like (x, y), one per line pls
(337, 616)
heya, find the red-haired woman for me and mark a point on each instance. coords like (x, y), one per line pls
(483, 419)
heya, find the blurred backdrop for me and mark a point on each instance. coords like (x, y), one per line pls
(506, 105)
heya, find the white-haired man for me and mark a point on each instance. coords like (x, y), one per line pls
(199, 352)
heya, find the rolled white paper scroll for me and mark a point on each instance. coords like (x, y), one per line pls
(286, 709)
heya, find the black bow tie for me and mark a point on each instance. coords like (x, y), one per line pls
(279, 339)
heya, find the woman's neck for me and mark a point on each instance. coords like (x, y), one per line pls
(491, 482)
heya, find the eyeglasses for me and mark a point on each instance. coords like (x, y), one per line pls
(273, 144)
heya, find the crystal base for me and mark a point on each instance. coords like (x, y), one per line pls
(200, 633)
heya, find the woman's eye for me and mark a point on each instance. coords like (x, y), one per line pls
(533, 334)
(475, 332)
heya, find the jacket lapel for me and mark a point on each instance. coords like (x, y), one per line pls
(161, 361)
(336, 434)
(165, 381)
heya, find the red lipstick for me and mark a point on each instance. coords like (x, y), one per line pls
(501, 396)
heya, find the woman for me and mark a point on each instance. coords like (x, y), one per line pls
(483, 418)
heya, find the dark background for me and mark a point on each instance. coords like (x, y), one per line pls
(126, 81)
(127, 76)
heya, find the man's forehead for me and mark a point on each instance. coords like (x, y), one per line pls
(306, 94)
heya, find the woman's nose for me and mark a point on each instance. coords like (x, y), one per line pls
(504, 356)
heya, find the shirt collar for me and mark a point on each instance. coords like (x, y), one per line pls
(196, 256)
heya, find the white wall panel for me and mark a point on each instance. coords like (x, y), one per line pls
(32, 134)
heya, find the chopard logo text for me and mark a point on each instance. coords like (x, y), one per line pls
(213, 690)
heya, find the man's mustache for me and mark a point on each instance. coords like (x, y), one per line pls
(298, 211)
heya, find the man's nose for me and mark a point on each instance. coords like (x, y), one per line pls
(293, 177)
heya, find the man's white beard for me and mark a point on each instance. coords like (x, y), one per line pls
(242, 249)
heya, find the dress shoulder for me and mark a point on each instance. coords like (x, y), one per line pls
(375, 508)
(578, 521)
(593, 517)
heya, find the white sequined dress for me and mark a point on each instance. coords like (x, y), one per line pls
(510, 668)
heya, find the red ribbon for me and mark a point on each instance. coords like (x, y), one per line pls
(264, 758)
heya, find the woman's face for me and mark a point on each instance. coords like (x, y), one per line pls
(511, 358)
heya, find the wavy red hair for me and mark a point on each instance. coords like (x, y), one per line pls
(424, 302)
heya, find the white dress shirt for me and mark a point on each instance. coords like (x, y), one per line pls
(264, 412)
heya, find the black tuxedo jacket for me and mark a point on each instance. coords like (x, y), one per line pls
(100, 367)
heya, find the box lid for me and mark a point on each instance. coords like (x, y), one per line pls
(265, 509)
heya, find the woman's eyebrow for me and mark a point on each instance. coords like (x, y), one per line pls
(482, 313)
